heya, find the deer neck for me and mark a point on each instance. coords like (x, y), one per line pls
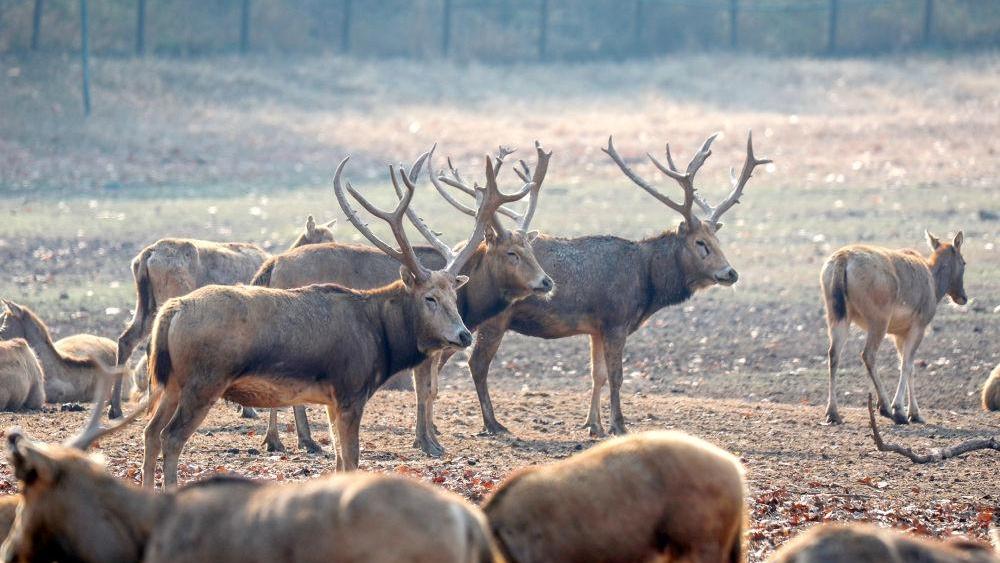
(481, 298)
(40, 340)
(667, 281)
(397, 320)
(941, 272)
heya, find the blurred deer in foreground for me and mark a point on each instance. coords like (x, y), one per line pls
(655, 496)
(322, 343)
(72, 509)
(864, 543)
(991, 391)
(502, 271)
(22, 382)
(888, 291)
(69, 365)
(609, 286)
(172, 267)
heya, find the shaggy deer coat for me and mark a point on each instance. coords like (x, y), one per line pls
(653, 496)
(22, 383)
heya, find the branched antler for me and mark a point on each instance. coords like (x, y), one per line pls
(935, 454)
(93, 432)
(751, 162)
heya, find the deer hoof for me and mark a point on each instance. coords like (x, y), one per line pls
(618, 429)
(833, 417)
(429, 448)
(273, 444)
(114, 412)
(884, 410)
(495, 428)
(899, 416)
(248, 412)
(596, 430)
(915, 418)
(310, 446)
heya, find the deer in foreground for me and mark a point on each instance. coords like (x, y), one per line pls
(609, 286)
(172, 267)
(22, 382)
(864, 543)
(69, 365)
(8, 511)
(72, 509)
(658, 495)
(894, 292)
(322, 343)
(991, 391)
(501, 271)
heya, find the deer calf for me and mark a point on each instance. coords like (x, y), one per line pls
(22, 383)
(886, 291)
(864, 543)
(991, 391)
(652, 495)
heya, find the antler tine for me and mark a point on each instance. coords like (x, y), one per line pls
(684, 210)
(738, 183)
(414, 217)
(502, 153)
(93, 431)
(456, 182)
(541, 168)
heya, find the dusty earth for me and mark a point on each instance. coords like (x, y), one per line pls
(865, 150)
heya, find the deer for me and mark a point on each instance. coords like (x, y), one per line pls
(659, 495)
(885, 291)
(8, 511)
(22, 382)
(865, 543)
(321, 343)
(502, 271)
(69, 365)
(171, 267)
(72, 509)
(991, 391)
(610, 286)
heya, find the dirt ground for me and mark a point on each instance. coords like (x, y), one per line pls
(864, 150)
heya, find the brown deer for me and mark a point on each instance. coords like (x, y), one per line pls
(172, 267)
(72, 509)
(68, 365)
(888, 291)
(653, 496)
(8, 511)
(610, 286)
(991, 391)
(322, 343)
(864, 543)
(22, 382)
(502, 271)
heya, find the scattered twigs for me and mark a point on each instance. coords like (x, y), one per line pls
(935, 454)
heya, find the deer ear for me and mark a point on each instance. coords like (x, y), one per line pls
(932, 240)
(14, 308)
(959, 239)
(310, 224)
(331, 223)
(530, 236)
(30, 463)
(409, 280)
(717, 226)
(460, 281)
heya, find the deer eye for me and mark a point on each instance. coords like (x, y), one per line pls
(431, 302)
(513, 257)
(703, 250)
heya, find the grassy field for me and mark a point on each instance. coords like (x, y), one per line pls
(242, 149)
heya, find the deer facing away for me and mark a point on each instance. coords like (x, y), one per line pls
(609, 286)
(894, 292)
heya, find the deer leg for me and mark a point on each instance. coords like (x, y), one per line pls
(906, 346)
(195, 402)
(303, 432)
(135, 332)
(272, 440)
(614, 347)
(348, 428)
(422, 384)
(332, 415)
(439, 363)
(152, 444)
(876, 333)
(488, 339)
(598, 376)
(838, 335)
(248, 412)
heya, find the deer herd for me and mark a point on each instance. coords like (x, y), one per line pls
(329, 323)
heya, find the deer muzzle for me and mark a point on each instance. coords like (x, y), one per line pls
(727, 276)
(545, 285)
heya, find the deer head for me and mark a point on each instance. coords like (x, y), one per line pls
(948, 266)
(315, 234)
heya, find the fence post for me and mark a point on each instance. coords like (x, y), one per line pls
(36, 24)
(446, 29)
(928, 21)
(734, 23)
(637, 27)
(140, 28)
(245, 27)
(345, 28)
(85, 55)
(831, 39)
(543, 32)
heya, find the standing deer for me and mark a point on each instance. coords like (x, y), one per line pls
(610, 286)
(888, 291)
(655, 496)
(502, 271)
(172, 267)
(69, 365)
(991, 391)
(322, 343)
(72, 509)
(22, 383)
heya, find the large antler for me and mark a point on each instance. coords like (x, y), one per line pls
(405, 255)
(751, 162)
(685, 179)
(93, 431)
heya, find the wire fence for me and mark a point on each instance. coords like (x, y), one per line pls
(498, 29)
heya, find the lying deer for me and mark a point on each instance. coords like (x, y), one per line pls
(72, 509)
(69, 365)
(322, 343)
(888, 291)
(501, 271)
(864, 543)
(653, 496)
(173, 267)
(610, 286)
(22, 383)
(991, 391)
